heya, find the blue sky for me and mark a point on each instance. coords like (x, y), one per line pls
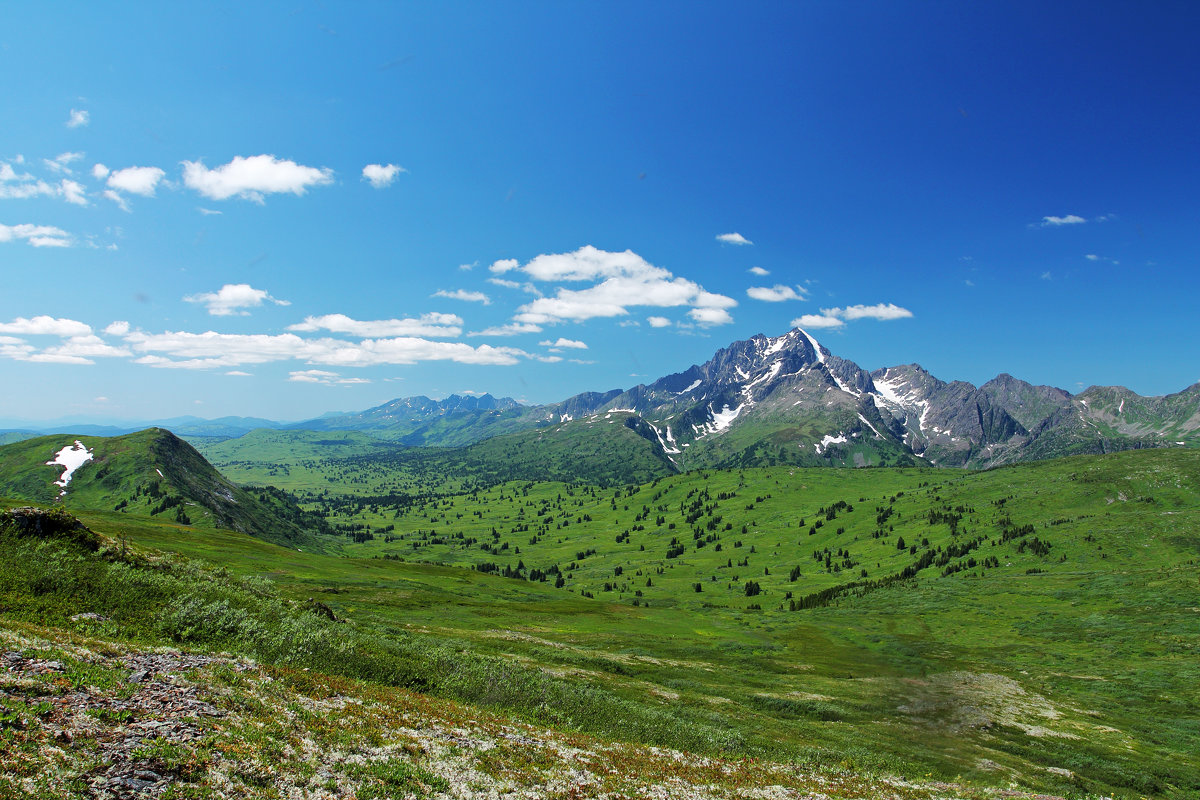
(285, 210)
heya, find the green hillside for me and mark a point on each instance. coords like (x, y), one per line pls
(152, 475)
(1036, 627)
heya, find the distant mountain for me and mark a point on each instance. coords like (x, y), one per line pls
(227, 427)
(149, 474)
(789, 400)
(456, 421)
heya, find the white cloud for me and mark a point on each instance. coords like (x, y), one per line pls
(253, 177)
(628, 280)
(468, 267)
(1092, 257)
(208, 212)
(381, 175)
(431, 324)
(1046, 276)
(78, 119)
(79, 350)
(658, 322)
(116, 198)
(504, 265)
(45, 325)
(733, 238)
(59, 163)
(22, 186)
(1054, 222)
(511, 329)
(776, 294)
(321, 376)
(574, 344)
(232, 297)
(118, 328)
(183, 350)
(759, 271)
(99, 172)
(837, 317)
(36, 235)
(817, 321)
(880, 311)
(707, 317)
(137, 180)
(463, 294)
(238, 373)
(73, 193)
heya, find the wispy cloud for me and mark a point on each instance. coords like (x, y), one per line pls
(78, 119)
(253, 177)
(61, 162)
(463, 294)
(431, 324)
(381, 175)
(233, 298)
(320, 376)
(658, 322)
(733, 238)
(759, 271)
(777, 293)
(574, 344)
(510, 329)
(36, 235)
(1056, 222)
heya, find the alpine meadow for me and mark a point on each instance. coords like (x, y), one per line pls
(529, 400)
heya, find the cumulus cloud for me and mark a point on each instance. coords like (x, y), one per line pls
(36, 235)
(733, 238)
(574, 344)
(320, 376)
(136, 180)
(46, 325)
(118, 328)
(658, 322)
(777, 293)
(463, 294)
(626, 279)
(759, 271)
(1055, 222)
(253, 177)
(78, 119)
(184, 350)
(837, 317)
(231, 298)
(431, 324)
(99, 171)
(381, 175)
(73, 192)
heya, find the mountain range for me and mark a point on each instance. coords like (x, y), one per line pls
(789, 400)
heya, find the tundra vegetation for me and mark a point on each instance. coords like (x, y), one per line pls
(877, 632)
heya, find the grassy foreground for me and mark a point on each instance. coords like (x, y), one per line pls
(1063, 660)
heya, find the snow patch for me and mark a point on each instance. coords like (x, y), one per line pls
(816, 347)
(72, 457)
(1121, 407)
(828, 440)
(878, 435)
(693, 385)
(725, 418)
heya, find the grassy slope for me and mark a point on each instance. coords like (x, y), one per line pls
(146, 475)
(986, 672)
